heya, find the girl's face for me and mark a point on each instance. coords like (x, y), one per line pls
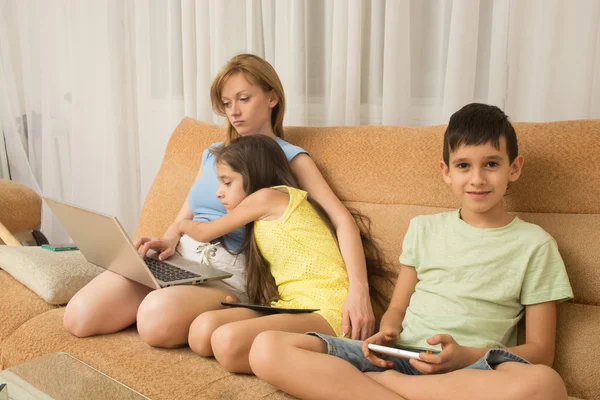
(248, 107)
(231, 187)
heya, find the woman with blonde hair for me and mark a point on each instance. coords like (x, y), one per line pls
(248, 92)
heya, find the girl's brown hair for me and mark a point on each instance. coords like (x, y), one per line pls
(263, 164)
(258, 72)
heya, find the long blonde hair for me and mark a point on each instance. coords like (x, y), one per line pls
(258, 72)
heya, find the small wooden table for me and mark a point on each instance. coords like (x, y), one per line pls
(61, 376)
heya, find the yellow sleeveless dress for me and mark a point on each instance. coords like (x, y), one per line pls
(305, 259)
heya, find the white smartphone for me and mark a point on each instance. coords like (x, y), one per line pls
(391, 351)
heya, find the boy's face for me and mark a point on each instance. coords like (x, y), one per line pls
(479, 176)
(231, 187)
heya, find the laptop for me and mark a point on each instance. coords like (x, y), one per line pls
(103, 242)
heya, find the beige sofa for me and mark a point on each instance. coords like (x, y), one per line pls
(391, 174)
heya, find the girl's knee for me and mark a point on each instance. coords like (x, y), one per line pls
(264, 352)
(228, 346)
(201, 330)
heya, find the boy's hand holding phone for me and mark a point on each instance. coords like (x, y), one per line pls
(385, 337)
(452, 357)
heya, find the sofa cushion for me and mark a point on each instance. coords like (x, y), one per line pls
(17, 305)
(577, 236)
(576, 354)
(54, 276)
(400, 165)
(150, 371)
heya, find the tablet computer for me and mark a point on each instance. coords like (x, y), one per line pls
(269, 309)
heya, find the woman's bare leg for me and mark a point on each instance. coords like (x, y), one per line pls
(164, 317)
(106, 304)
(231, 342)
(297, 365)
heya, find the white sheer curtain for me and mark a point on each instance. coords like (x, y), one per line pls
(91, 91)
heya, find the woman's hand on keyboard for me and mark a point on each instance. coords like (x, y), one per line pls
(165, 246)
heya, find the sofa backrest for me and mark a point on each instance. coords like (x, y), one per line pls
(392, 174)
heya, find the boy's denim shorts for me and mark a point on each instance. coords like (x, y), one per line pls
(351, 351)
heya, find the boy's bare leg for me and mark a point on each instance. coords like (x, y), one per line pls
(298, 365)
(510, 380)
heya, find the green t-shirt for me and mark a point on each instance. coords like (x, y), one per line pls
(474, 283)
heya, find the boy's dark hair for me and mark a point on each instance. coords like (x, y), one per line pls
(476, 124)
(263, 164)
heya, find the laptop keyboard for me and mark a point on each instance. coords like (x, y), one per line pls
(166, 272)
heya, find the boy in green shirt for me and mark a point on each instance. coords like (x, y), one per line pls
(467, 278)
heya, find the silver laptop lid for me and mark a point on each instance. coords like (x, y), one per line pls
(103, 241)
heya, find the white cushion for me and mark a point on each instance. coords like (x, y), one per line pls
(54, 276)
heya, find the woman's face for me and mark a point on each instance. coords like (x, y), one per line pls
(248, 107)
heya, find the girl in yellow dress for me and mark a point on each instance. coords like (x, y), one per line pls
(292, 256)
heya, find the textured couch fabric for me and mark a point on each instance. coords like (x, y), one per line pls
(20, 206)
(389, 173)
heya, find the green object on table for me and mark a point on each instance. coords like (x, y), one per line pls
(60, 247)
